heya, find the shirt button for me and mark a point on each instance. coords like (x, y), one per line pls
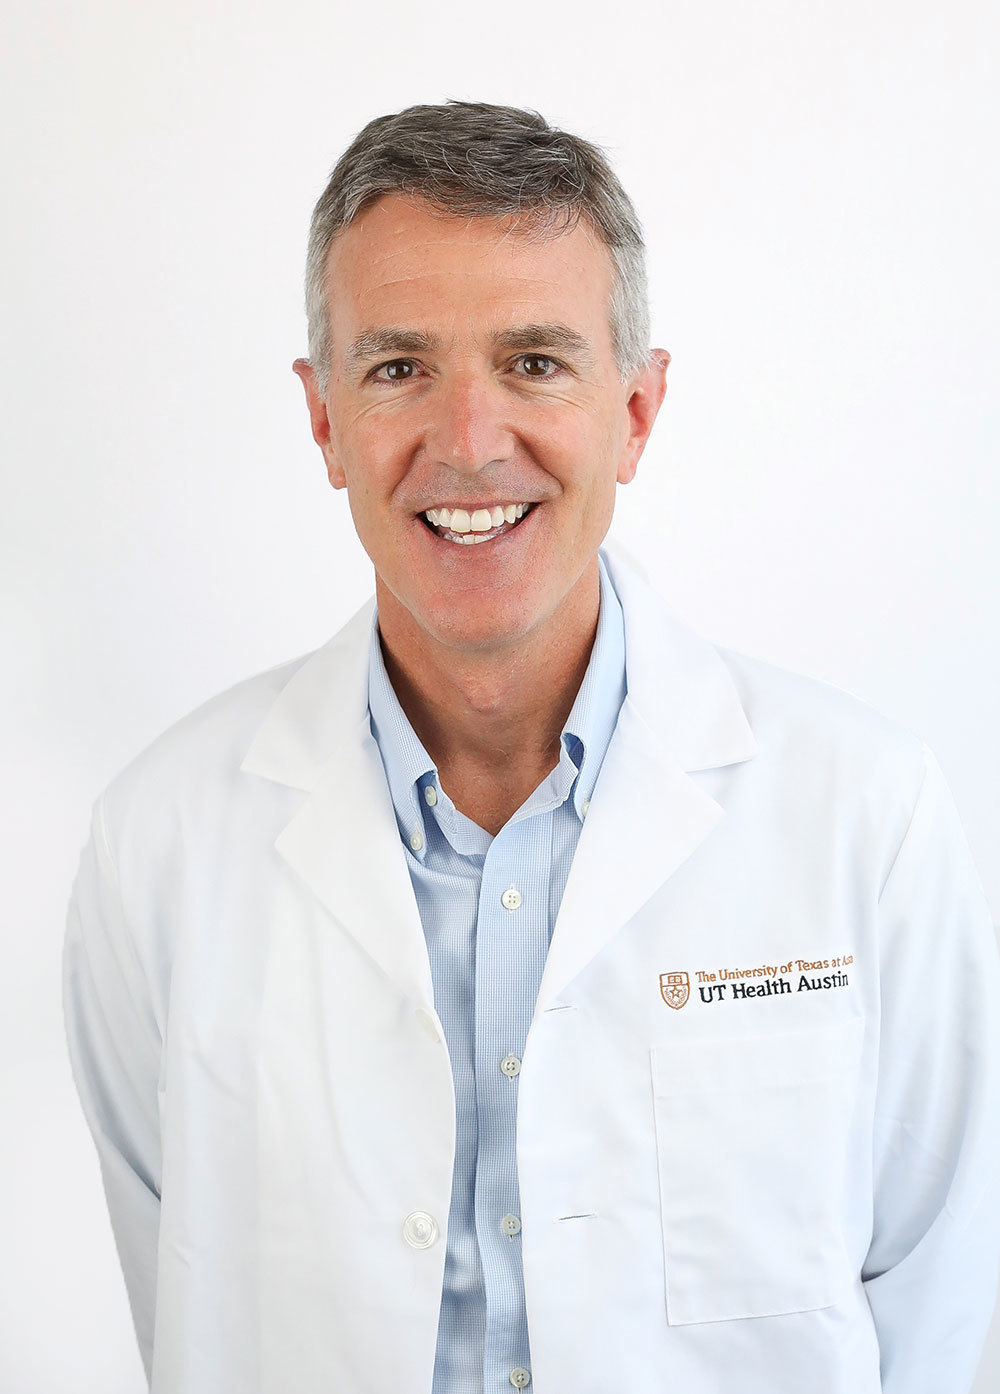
(420, 1230)
(417, 841)
(519, 1377)
(584, 805)
(510, 1066)
(510, 1225)
(430, 794)
(511, 898)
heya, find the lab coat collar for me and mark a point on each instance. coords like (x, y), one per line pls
(681, 714)
(677, 685)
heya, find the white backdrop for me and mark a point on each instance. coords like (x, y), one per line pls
(818, 188)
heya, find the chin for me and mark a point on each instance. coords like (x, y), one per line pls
(480, 628)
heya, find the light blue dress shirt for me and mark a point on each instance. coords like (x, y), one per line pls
(488, 906)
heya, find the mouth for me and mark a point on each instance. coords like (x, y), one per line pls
(486, 530)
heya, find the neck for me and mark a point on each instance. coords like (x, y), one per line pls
(501, 710)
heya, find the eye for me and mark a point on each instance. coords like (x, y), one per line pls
(537, 365)
(397, 370)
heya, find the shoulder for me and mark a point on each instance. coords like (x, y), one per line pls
(792, 715)
(213, 770)
(280, 723)
(782, 704)
(804, 727)
(827, 738)
(197, 754)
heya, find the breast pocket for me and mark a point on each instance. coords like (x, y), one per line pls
(751, 1138)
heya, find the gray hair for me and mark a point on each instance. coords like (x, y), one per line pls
(474, 159)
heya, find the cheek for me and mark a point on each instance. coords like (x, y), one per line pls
(573, 448)
(365, 437)
(594, 456)
(375, 463)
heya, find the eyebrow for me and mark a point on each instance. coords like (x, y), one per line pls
(384, 343)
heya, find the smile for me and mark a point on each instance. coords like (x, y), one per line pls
(467, 528)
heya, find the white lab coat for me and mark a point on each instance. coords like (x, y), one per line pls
(740, 1193)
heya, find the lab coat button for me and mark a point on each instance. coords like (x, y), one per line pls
(510, 1225)
(420, 1230)
(428, 1023)
(519, 1377)
(511, 898)
(510, 1065)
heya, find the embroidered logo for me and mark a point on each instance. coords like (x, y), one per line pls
(772, 980)
(675, 989)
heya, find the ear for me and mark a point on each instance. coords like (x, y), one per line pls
(319, 420)
(646, 391)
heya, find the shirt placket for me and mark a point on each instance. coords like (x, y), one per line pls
(512, 934)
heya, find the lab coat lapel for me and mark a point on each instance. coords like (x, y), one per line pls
(647, 815)
(343, 841)
(682, 714)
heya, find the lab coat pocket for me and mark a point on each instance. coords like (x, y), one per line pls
(751, 1139)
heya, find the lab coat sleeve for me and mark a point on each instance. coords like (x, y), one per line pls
(930, 1273)
(114, 1048)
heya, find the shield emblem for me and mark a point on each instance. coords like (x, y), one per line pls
(674, 988)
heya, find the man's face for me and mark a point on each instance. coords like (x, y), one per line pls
(472, 369)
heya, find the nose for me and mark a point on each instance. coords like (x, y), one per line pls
(468, 427)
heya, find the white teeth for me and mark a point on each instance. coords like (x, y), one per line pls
(481, 520)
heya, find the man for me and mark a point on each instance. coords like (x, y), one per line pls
(521, 990)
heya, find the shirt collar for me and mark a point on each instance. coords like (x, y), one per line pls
(594, 714)
(586, 735)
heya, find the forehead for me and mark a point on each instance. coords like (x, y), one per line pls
(401, 262)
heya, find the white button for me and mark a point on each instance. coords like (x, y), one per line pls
(417, 841)
(420, 1230)
(430, 794)
(427, 1022)
(510, 1066)
(510, 1225)
(584, 805)
(511, 898)
(519, 1377)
